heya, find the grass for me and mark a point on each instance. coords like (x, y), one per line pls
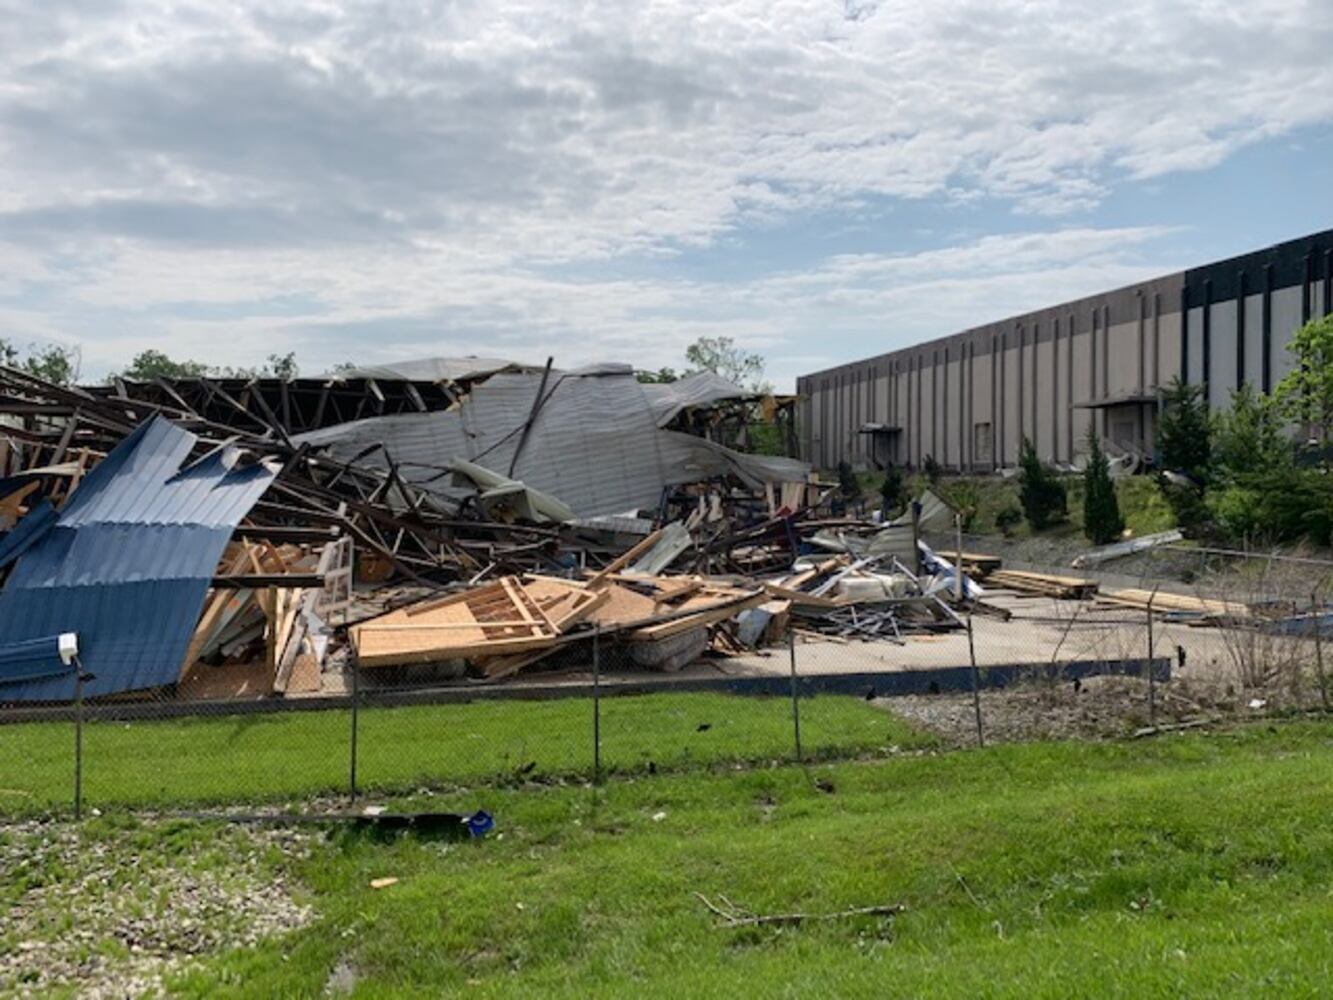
(268, 757)
(1186, 866)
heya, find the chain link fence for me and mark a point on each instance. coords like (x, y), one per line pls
(1172, 639)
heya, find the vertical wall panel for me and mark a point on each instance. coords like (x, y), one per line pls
(1223, 343)
(1122, 359)
(1194, 345)
(1286, 321)
(1044, 387)
(1168, 347)
(1009, 400)
(1254, 340)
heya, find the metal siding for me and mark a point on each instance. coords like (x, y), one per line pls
(1046, 389)
(1286, 321)
(1168, 348)
(128, 563)
(1223, 335)
(1009, 405)
(1254, 340)
(1122, 356)
(1194, 345)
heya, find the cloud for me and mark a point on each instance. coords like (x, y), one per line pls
(455, 172)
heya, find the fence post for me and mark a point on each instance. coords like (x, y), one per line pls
(597, 704)
(1152, 678)
(1317, 615)
(356, 699)
(976, 680)
(78, 739)
(795, 700)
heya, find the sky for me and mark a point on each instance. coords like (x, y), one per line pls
(819, 180)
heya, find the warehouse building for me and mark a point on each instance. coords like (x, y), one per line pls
(967, 400)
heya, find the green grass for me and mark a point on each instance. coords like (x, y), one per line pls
(203, 760)
(1185, 866)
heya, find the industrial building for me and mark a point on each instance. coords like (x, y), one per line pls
(967, 400)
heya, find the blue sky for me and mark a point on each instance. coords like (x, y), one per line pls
(820, 181)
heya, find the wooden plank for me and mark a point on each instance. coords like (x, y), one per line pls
(624, 559)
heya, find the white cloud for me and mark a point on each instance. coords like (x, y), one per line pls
(296, 171)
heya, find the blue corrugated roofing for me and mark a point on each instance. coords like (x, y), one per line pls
(126, 565)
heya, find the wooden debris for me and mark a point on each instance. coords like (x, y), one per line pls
(1043, 584)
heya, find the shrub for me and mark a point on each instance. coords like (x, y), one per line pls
(891, 491)
(1040, 491)
(932, 469)
(1008, 519)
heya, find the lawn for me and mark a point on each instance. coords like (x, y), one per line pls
(269, 757)
(1188, 865)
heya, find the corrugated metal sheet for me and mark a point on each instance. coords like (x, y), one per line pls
(127, 563)
(595, 444)
(433, 369)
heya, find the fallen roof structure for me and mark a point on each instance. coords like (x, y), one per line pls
(595, 438)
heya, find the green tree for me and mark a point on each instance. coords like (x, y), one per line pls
(150, 364)
(282, 366)
(848, 485)
(1250, 438)
(722, 356)
(1102, 522)
(891, 498)
(1306, 392)
(661, 375)
(1040, 491)
(1184, 433)
(51, 362)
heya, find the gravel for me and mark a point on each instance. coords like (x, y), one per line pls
(110, 909)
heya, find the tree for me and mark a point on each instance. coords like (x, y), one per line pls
(722, 356)
(1306, 392)
(1250, 438)
(661, 375)
(52, 362)
(282, 366)
(848, 485)
(1184, 455)
(1102, 522)
(891, 490)
(1040, 491)
(150, 364)
(1184, 434)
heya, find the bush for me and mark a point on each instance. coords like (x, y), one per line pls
(1008, 519)
(891, 491)
(964, 497)
(1193, 516)
(1102, 522)
(932, 469)
(1040, 491)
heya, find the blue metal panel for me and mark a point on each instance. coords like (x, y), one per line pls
(126, 565)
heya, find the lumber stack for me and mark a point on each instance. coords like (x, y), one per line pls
(1043, 584)
(1206, 609)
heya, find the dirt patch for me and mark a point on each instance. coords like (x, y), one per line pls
(109, 911)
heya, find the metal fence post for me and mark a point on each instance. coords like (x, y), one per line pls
(1317, 616)
(795, 700)
(78, 740)
(356, 699)
(1152, 677)
(976, 680)
(597, 704)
